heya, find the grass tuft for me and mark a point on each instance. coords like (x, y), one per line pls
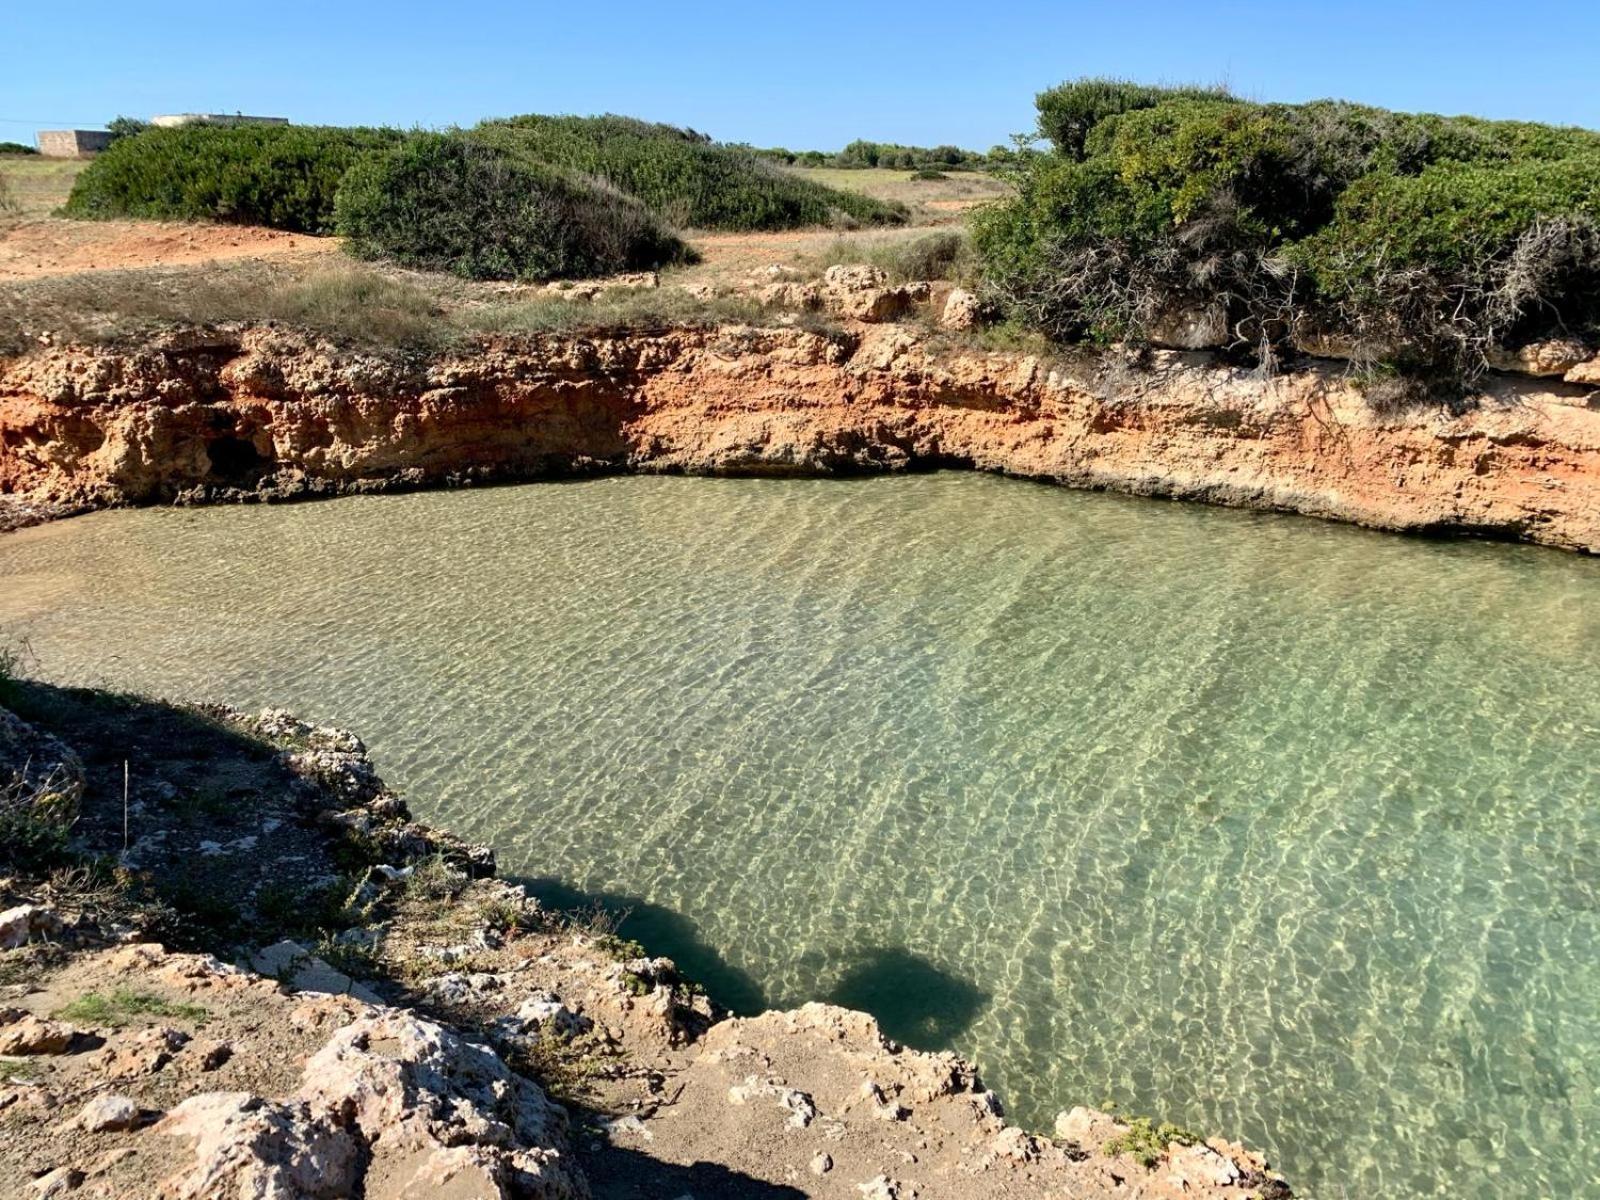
(123, 1006)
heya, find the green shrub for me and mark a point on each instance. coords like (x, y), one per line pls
(1069, 111)
(284, 176)
(16, 148)
(684, 176)
(1147, 1141)
(1428, 239)
(465, 205)
(892, 155)
(121, 127)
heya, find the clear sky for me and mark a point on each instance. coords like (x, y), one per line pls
(804, 75)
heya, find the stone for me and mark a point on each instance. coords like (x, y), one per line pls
(881, 1188)
(960, 310)
(108, 1114)
(1196, 1167)
(57, 1183)
(213, 1054)
(800, 1107)
(142, 1053)
(544, 1011)
(295, 966)
(35, 1035)
(411, 1090)
(882, 1107)
(1585, 374)
(1085, 1127)
(822, 1163)
(1551, 358)
(799, 296)
(1015, 1144)
(246, 1146)
(853, 277)
(20, 925)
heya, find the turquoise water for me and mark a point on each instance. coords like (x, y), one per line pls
(1276, 828)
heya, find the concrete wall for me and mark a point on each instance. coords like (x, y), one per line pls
(72, 143)
(171, 120)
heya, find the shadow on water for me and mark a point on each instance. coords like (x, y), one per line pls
(915, 1001)
(660, 930)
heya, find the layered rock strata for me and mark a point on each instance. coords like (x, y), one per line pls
(267, 413)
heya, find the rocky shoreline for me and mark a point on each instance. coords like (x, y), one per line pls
(434, 1032)
(264, 413)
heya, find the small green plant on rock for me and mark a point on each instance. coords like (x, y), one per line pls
(1147, 1141)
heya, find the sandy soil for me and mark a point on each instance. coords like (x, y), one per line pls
(35, 249)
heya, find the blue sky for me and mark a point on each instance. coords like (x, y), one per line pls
(805, 75)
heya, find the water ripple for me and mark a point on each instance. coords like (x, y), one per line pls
(1278, 828)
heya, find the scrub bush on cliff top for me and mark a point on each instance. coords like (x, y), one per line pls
(447, 202)
(683, 175)
(284, 176)
(1427, 240)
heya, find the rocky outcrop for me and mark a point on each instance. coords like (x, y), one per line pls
(134, 1070)
(263, 413)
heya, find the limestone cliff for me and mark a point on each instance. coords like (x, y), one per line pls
(266, 413)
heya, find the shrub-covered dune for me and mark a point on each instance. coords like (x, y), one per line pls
(689, 179)
(449, 203)
(1424, 242)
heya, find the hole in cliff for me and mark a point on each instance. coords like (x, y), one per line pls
(234, 460)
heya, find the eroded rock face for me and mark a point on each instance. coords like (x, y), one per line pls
(392, 1106)
(247, 1146)
(1549, 359)
(94, 426)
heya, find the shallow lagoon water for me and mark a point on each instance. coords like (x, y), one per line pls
(1275, 828)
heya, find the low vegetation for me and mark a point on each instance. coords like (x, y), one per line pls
(683, 175)
(283, 176)
(862, 154)
(944, 254)
(1426, 241)
(123, 1006)
(1148, 1141)
(472, 207)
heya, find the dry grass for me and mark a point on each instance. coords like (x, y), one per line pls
(364, 306)
(38, 185)
(351, 304)
(925, 197)
(941, 254)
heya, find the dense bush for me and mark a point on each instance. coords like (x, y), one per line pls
(462, 204)
(683, 176)
(122, 127)
(861, 153)
(1067, 113)
(284, 176)
(1427, 239)
(16, 148)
